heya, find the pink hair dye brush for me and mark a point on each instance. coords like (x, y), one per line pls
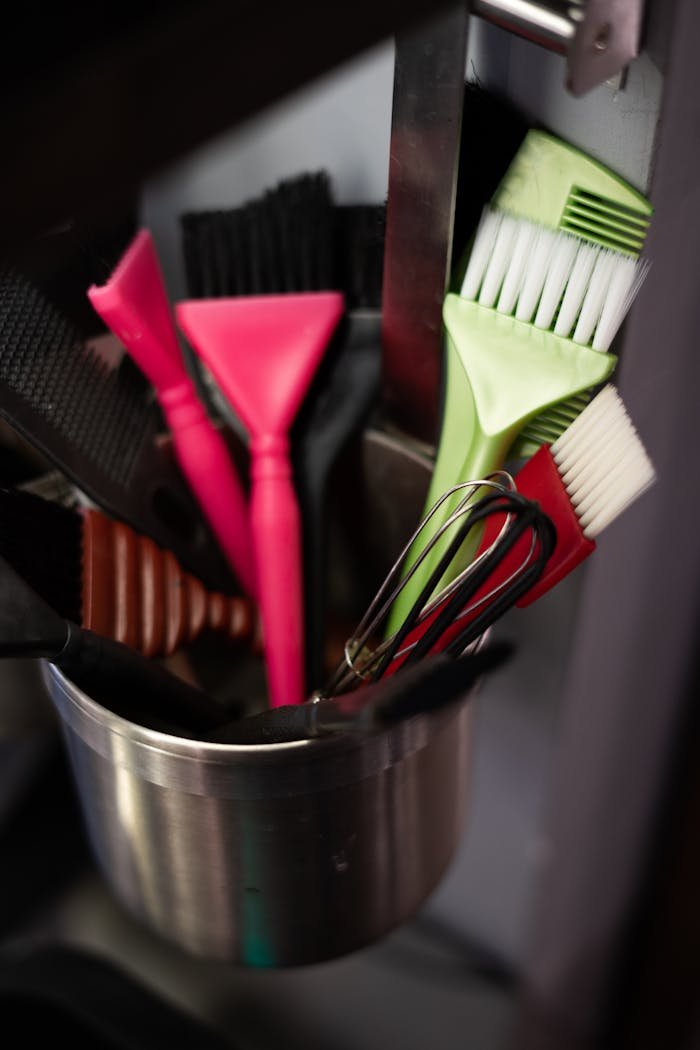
(135, 306)
(263, 352)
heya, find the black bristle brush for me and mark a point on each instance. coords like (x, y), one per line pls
(295, 239)
(99, 424)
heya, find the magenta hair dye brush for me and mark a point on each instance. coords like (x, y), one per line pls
(135, 306)
(263, 352)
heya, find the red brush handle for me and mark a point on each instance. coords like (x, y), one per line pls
(135, 305)
(538, 480)
(206, 463)
(276, 530)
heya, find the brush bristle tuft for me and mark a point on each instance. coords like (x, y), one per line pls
(602, 462)
(551, 279)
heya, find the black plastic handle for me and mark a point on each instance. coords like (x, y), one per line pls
(135, 687)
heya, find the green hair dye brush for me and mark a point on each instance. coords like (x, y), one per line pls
(555, 186)
(582, 196)
(537, 311)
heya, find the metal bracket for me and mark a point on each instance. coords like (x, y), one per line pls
(599, 37)
(604, 43)
(426, 125)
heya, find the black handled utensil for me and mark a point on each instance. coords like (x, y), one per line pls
(429, 686)
(99, 424)
(336, 409)
(129, 684)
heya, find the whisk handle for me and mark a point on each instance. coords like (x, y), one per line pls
(538, 481)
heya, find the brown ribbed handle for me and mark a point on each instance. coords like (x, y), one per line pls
(137, 593)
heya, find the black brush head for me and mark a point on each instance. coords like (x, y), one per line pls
(339, 403)
(90, 412)
(43, 541)
(103, 410)
(70, 256)
(358, 254)
(434, 683)
(280, 242)
(293, 238)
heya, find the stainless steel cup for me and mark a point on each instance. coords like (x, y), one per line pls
(284, 854)
(273, 855)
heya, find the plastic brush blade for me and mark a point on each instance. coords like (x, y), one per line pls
(134, 304)
(263, 350)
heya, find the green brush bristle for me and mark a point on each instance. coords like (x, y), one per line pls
(42, 541)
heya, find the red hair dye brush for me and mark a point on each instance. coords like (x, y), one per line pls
(134, 304)
(263, 352)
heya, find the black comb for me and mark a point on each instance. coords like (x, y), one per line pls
(100, 425)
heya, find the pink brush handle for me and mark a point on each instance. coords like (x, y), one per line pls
(276, 528)
(206, 463)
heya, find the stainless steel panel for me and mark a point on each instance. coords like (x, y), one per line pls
(426, 123)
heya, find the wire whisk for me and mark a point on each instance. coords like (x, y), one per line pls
(456, 617)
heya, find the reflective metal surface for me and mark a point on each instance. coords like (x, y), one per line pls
(606, 41)
(279, 855)
(600, 37)
(271, 855)
(551, 24)
(424, 153)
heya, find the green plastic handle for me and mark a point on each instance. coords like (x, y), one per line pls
(510, 372)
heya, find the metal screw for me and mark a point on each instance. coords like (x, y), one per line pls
(602, 38)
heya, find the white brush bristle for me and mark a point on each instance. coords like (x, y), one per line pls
(551, 279)
(481, 253)
(602, 462)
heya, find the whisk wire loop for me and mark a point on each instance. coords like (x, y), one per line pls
(465, 594)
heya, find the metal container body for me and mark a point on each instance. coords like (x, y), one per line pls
(275, 855)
